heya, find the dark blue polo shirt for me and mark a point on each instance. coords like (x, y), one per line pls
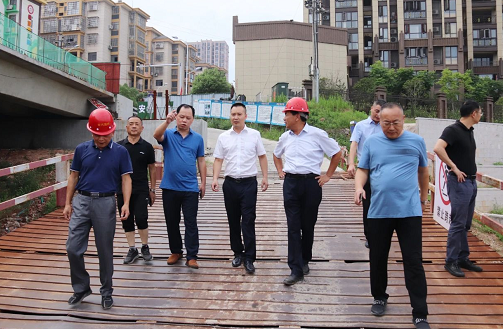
(100, 170)
(180, 155)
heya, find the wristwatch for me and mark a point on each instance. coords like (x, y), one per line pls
(424, 202)
(151, 190)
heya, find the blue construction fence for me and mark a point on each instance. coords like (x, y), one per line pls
(264, 113)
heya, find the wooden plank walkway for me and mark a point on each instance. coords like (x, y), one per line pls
(35, 282)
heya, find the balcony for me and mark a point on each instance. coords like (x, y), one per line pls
(484, 42)
(414, 15)
(416, 61)
(486, 4)
(478, 62)
(483, 19)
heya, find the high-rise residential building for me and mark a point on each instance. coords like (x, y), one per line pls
(167, 68)
(423, 34)
(100, 31)
(213, 53)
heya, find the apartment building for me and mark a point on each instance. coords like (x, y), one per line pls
(100, 31)
(213, 52)
(423, 34)
(24, 12)
(201, 67)
(167, 68)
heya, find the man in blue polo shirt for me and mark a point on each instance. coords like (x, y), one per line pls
(98, 166)
(397, 165)
(183, 148)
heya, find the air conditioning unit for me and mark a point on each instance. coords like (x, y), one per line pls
(10, 7)
(393, 64)
(156, 74)
(436, 61)
(110, 27)
(435, 11)
(393, 31)
(436, 29)
(110, 47)
(393, 39)
(325, 17)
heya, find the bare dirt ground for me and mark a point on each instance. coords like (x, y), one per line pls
(13, 220)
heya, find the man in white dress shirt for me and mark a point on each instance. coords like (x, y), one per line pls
(303, 146)
(362, 131)
(239, 147)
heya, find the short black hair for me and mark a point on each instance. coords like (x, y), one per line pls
(303, 116)
(468, 108)
(187, 106)
(238, 104)
(135, 116)
(379, 102)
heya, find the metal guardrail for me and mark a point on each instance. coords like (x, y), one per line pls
(16, 37)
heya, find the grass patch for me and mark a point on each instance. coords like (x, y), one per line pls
(497, 210)
(486, 229)
(499, 163)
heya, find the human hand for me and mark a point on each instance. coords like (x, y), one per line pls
(67, 212)
(322, 179)
(214, 185)
(265, 184)
(351, 170)
(124, 212)
(359, 196)
(171, 117)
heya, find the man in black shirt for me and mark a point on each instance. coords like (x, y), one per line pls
(142, 157)
(456, 148)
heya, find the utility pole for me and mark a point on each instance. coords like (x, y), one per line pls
(316, 9)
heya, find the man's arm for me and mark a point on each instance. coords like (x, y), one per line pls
(217, 167)
(322, 179)
(201, 163)
(351, 158)
(439, 149)
(278, 163)
(126, 193)
(361, 178)
(153, 180)
(424, 183)
(159, 131)
(70, 191)
(262, 159)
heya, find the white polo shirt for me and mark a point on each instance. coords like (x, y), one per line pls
(304, 152)
(239, 152)
(362, 131)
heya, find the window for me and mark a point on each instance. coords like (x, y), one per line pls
(71, 24)
(92, 38)
(451, 55)
(159, 57)
(140, 51)
(174, 84)
(353, 41)
(384, 57)
(13, 3)
(115, 12)
(484, 37)
(141, 21)
(92, 22)
(114, 58)
(415, 31)
(367, 43)
(93, 5)
(449, 8)
(72, 8)
(140, 36)
(345, 3)
(383, 14)
(12, 17)
(346, 20)
(483, 61)
(92, 56)
(49, 10)
(50, 25)
(174, 49)
(70, 40)
(451, 30)
(416, 56)
(174, 59)
(414, 9)
(383, 34)
(159, 83)
(158, 71)
(367, 21)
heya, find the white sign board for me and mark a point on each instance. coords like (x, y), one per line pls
(278, 115)
(251, 111)
(226, 110)
(216, 108)
(204, 108)
(264, 113)
(442, 206)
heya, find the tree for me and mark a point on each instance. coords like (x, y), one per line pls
(332, 87)
(132, 93)
(210, 81)
(483, 87)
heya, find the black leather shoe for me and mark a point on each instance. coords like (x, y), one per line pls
(367, 244)
(378, 307)
(250, 269)
(305, 269)
(454, 269)
(293, 279)
(237, 261)
(77, 298)
(107, 302)
(468, 265)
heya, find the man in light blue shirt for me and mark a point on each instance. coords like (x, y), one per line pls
(397, 164)
(362, 131)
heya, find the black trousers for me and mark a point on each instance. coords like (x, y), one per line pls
(366, 206)
(302, 197)
(172, 202)
(138, 211)
(409, 233)
(240, 198)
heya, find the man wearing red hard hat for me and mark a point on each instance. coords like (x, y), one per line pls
(98, 167)
(303, 147)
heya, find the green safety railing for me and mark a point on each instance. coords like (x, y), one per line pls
(16, 37)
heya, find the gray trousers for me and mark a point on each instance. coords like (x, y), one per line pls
(98, 213)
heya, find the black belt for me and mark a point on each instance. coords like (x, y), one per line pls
(472, 177)
(301, 176)
(96, 194)
(241, 180)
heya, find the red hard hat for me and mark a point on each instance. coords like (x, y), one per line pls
(297, 104)
(101, 122)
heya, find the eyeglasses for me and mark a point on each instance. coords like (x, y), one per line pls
(389, 124)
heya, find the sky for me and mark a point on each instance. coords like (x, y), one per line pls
(195, 20)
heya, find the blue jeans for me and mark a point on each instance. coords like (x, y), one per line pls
(462, 197)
